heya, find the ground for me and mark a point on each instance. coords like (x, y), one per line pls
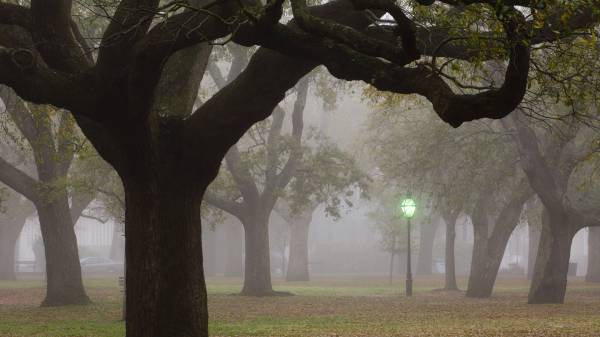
(350, 306)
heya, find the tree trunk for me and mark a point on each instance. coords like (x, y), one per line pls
(392, 254)
(425, 261)
(298, 263)
(234, 255)
(450, 264)
(549, 282)
(488, 249)
(209, 251)
(534, 241)
(63, 271)
(117, 244)
(485, 263)
(9, 234)
(257, 271)
(593, 271)
(166, 291)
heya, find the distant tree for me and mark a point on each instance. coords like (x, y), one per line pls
(14, 211)
(549, 159)
(51, 136)
(428, 230)
(593, 271)
(258, 172)
(325, 176)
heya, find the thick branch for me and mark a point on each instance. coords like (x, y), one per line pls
(242, 177)
(54, 37)
(286, 174)
(535, 166)
(230, 207)
(79, 202)
(25, 72)
(258, 89)
(20, 181)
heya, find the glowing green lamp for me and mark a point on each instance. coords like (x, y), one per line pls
(408, 207)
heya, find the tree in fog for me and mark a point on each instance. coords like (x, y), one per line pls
(325, 177)
(593, 271)
(427, 233)
(388, 222)
(259, 171)
(52, 139)
(14, 211)
(425, 157)
(167, 158)
(549, 159)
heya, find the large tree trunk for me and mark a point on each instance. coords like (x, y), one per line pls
(257, 271)
(9, 234)
(425, 261)
(166, 292)
(450, 260)
(298, 263)
(593, 271)
(549, 282)
(234, 256)
(63, 271)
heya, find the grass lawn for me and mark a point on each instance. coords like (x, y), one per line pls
(324, 307)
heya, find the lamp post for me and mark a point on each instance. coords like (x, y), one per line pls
(408, 207)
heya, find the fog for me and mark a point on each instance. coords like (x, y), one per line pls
(299, 168)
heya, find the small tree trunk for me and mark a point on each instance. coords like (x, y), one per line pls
(63, 271)
(298, 263)
(234, 256)
(450, 279)
(425, 261)
(117, 244)
(209, 249)
(9, 234)
(593, 271)
(392, 253)
(166, 292)
(549, 282)
(534, 241)
(257, 272)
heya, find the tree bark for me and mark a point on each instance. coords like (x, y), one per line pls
(234, 263)
(166, 292)
(593, 271)
(450, 260)
(425, 261)
(63, 271)
(298, 263)
(549, 282)
(257, 270)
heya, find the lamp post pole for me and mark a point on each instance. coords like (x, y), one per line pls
(409, 280)
(408, 207)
